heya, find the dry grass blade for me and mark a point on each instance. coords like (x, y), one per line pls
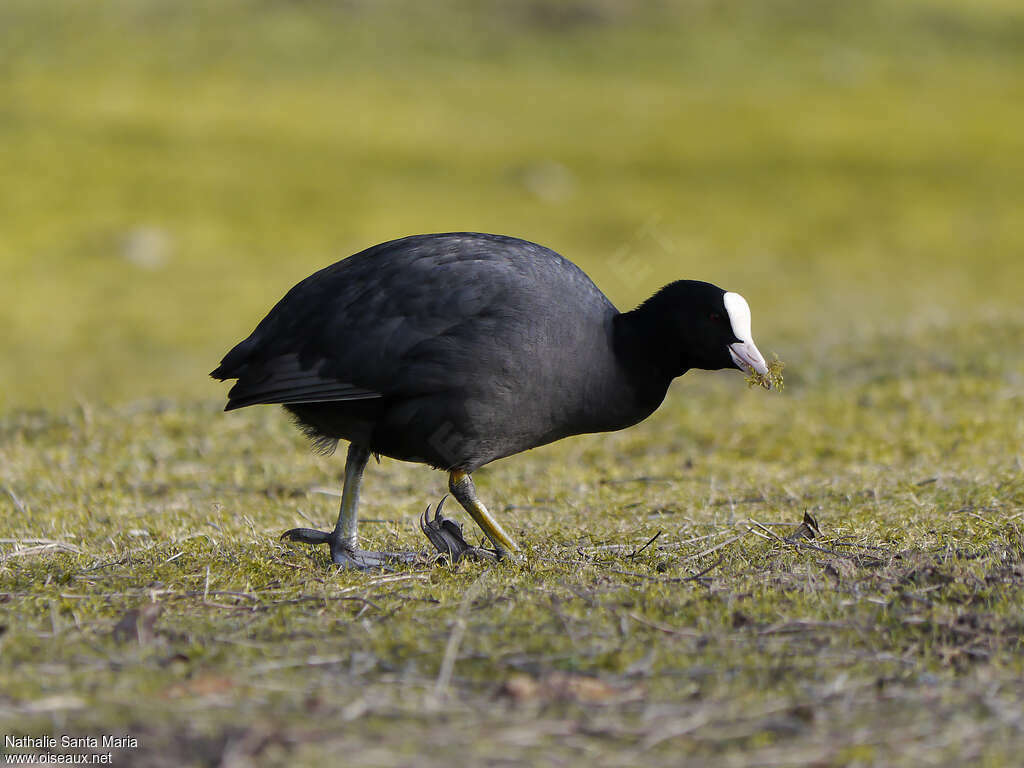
(719, 546)
(18, 505)
(41, 549)
(451, 651)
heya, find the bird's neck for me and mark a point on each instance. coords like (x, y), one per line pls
(648, 354)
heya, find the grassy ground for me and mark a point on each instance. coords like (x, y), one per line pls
(170, 169)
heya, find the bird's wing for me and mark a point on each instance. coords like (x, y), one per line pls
(282, 379)
(398, 319)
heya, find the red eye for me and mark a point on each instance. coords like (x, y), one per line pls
(714, 317)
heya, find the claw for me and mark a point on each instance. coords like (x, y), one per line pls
(446, 536)
(306, 536)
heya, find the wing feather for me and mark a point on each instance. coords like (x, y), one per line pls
(283, 380)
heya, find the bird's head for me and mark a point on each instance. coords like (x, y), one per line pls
(707, 327)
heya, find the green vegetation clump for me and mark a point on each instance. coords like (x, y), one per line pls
(770, 380)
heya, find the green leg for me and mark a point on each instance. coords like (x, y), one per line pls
(462, 488)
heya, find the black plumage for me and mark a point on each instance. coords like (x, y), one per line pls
(458, 349)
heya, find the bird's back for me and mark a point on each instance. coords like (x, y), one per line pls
(452, 349)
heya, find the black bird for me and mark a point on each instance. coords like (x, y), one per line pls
(457, 349)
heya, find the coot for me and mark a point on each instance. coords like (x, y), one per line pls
(457, 349)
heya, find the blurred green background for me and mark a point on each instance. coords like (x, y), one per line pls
(170, 168)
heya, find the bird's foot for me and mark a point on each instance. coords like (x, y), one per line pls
(348, 556)
(446, 536)
(366, 560)
(443, 533)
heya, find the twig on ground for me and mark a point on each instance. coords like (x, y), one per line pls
(645, 546)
